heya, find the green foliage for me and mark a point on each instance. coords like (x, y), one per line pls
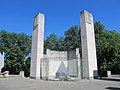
(54, 43)
(16, 47)
(98, 27)
(72, 38)
(27, 67)
(13, 66)
(108, 49)
(51, 42)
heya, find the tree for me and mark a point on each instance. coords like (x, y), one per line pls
(51, 42)
(27, 66)
(61, 44)
(98, 27)
(13, 66)
(72, 38)
(108, 49)
(16, 47)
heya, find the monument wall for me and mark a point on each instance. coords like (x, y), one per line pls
(74, 63)
(60, 61)
(56, 58)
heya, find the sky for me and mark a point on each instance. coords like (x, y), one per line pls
(17, 15)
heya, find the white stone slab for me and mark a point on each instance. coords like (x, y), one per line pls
(37, 45)
(1, 61)
(89, 60)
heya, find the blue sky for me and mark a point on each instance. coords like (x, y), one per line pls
(17, 15)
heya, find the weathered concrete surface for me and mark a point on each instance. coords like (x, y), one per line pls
(1, 61)
(89, 60)
(18, 83)
(52, 60)
(37, 45)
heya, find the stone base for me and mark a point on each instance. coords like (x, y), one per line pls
(34, 77)
(21, 73)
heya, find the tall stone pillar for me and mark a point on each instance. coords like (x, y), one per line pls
(37, 45)
(1, 60)
(89, 60)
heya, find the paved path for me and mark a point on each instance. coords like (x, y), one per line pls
(18, 83)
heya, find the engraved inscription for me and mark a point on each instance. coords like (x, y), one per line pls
(89, 19)
(89, 22)
(36, 26)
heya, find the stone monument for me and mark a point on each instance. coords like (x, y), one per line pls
(66, 63)
(37, 45)
(89, 60)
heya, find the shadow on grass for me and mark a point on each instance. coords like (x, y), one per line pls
(113, 88)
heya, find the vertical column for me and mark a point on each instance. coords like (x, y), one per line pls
(78, 63)
(1, 60)
(89, 60)
(37, 45)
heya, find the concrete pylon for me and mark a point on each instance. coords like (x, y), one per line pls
(37, 45)
(1, 60)
(89, 59)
